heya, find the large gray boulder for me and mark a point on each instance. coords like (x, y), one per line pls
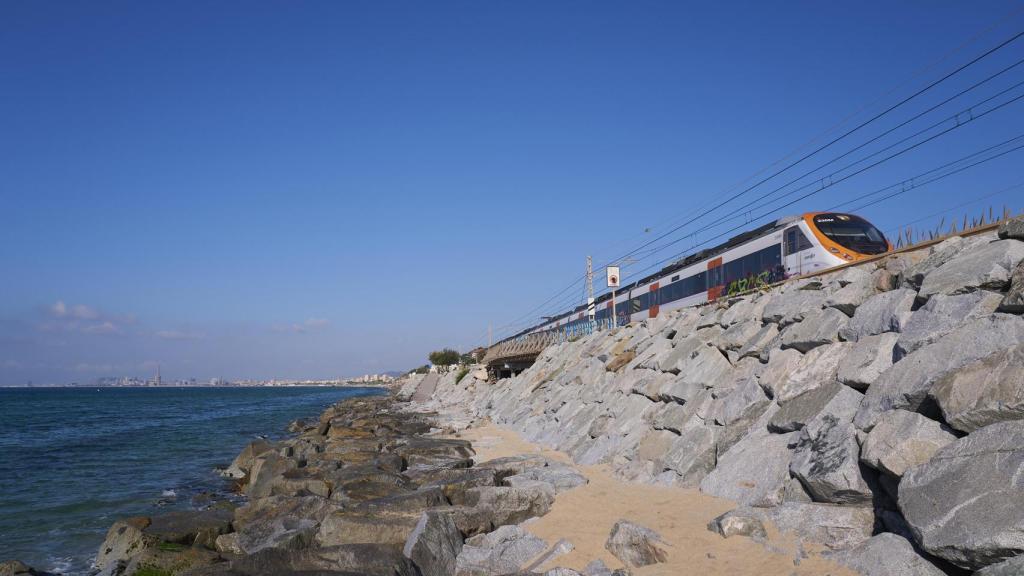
(867, 359)
(1011, 228)
(837, 527)
(753, 471)
(906, 385)
(981, 267)
(759, 343)
(784, 381)
(797, 412)
(742, 521)
(984, 392)
(508, 505)
(635, 545)
(434, 544)
(901, 440)
(963, 505)
(691, 455)
(744, 401)
(737, 335)
(853, 294)
(1013, 302)
(938, 255)
(885, 312)
(1012, 567)
(827, 455)
(818, 328)
(504, 551)
(793, 305)
(941, 315)
(886, 555)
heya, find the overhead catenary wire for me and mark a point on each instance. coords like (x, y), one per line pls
(528, 316)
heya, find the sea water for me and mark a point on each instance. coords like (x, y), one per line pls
(73, 460)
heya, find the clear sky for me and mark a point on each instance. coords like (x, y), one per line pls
(316, 189)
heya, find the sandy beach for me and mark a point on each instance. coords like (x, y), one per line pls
(585, 516)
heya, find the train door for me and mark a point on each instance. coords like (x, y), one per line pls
(794, 243)
(652, 308)
(716, 283)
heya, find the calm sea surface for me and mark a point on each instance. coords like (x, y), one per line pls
(72, 460)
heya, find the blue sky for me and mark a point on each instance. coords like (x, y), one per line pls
(272, 189)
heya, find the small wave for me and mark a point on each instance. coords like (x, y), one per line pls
(61, 564)
(169, 494)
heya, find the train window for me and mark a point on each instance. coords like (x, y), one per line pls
(796, 240)
(852, 232)
(675, 278)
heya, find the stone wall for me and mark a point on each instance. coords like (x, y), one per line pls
(884, 398)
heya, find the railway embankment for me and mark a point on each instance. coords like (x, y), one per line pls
(877, 411)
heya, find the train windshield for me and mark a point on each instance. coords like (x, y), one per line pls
(852, 232)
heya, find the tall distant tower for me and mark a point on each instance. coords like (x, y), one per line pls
(157, 374)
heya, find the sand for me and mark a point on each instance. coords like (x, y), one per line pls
(585, 516)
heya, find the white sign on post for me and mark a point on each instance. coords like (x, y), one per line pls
(613, 276)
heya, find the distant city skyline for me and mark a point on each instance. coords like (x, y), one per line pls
(262, 191)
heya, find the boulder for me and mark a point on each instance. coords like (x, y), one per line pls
(1012, 567)
(901, 440)
(752, 472)
(866, 360)
(818, 328)
(979, 267)
(1011, 228)
(906, 385)
(737, 335)
(124, 540)
(739, 522)
(886, 555)
(349, 559)
(504, 551)
(366, 527)
(243, 463)
(507, 505)
(267, 470)
(1013, 302)
(747, 399)
(798, 411)
(759, 343)
(434, 544)
(885, 312)
(939, 254)
(814, 369)
(707, 366)
(561, 477)
(963, 504)
(852, 295)
(635, 545)
(279, 522)
(984, 392)
(191, 527)
(826, 458)
(17, 568)
(941, 315)
(793, 305)
(837, 527)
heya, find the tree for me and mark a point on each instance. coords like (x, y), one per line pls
(444, 358)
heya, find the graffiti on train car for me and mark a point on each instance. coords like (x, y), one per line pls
(752, 282)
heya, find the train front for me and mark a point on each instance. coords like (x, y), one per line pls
(847, 236)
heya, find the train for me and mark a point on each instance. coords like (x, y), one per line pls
(787, 247)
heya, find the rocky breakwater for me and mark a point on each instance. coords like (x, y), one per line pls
(877, 410)
(370, 489)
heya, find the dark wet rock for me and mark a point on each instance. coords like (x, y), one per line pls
(635, 545)
(191, 527)
(18, 568)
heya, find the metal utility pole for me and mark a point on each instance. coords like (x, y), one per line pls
(590, 289)
(489, 335)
